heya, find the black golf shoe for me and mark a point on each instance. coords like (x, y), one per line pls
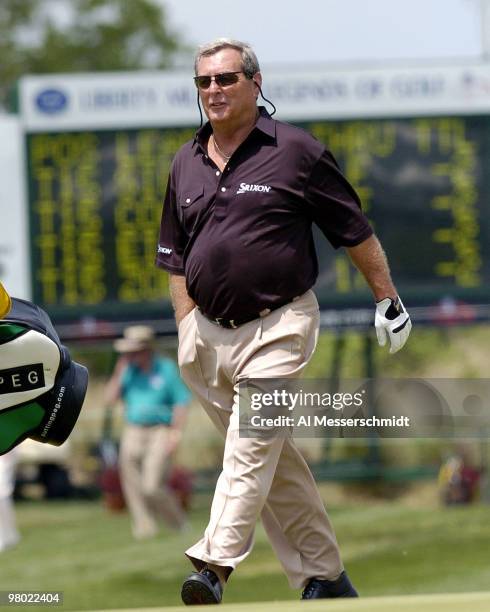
(201, 588)
(322, 589)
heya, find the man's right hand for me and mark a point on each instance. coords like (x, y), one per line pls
(181, 302)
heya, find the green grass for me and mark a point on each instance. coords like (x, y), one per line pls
(388, 549)
(477, 602)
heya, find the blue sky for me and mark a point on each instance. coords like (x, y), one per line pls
(321, 31)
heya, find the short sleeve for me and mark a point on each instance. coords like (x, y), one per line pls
(173, 239)
(334, 205)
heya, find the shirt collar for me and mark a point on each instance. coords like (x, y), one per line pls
(265, 124)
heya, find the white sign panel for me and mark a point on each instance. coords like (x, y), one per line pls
(139, 99)
(13, 227)
(107, 100)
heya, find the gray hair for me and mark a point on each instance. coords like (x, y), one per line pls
(250, 63)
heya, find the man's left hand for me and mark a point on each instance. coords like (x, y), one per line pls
(392, 320)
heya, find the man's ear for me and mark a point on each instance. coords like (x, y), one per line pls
(257, 79)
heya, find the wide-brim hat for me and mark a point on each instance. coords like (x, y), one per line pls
(136, 338)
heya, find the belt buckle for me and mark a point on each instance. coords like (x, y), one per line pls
(226, 323)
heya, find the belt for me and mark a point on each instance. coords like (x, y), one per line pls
(235, 323)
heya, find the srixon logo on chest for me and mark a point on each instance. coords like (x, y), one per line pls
(244, 187)
(22, 378)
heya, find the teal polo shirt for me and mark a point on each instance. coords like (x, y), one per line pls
(150, 397)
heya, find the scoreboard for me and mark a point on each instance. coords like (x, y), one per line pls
(425, 186)
(95, 201)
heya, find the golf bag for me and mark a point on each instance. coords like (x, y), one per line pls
(41, 388)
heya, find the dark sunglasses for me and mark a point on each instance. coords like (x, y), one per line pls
(224, 79)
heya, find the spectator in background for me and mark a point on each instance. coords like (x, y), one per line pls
(9, 536)
(155, 401)
(459, 479)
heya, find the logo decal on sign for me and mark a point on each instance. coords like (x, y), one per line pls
(51, 101)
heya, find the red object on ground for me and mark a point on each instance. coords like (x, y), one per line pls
(180, 480)
(112, 494)
(470, 480)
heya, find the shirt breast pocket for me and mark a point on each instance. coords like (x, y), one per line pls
(191, 203)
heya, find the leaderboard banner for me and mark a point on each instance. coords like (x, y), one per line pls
(415, 143)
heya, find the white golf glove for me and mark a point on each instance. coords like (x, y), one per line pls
(392, 320)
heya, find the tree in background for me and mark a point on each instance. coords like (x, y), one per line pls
(48, 36)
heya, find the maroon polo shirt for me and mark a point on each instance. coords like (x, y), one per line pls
(243, 238)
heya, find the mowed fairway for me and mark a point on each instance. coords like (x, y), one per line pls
(389, 550)
(476, 602)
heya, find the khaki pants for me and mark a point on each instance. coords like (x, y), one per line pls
(261, 477)
(143, 464)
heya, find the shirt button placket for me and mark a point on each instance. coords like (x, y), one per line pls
(221, 203)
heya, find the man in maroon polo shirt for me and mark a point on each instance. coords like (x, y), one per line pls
(236, 238)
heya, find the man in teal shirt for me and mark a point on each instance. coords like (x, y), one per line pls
(155, 401)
